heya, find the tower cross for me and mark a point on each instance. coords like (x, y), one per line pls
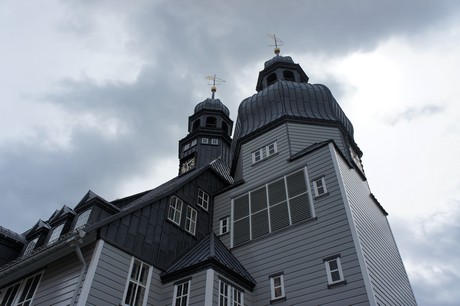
(278, 42)
(215, 81)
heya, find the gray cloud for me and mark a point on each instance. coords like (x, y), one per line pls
(415, 112)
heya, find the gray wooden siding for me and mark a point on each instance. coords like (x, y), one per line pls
(59, 281)
(304, 135)
(111, 276)
(197, 290)
(299, 250)
(385, 268)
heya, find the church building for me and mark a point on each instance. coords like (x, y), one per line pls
(278, 213)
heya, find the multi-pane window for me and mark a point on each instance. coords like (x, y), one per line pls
(190, 220)
(334, 270)
(21, 293)
(273, 206)
(30, 246)
(264, 152)
(203, 199)
(175, 209)
(181, 294)
(277, 286)
(83, 218)
(56, 233)
(136, 291)
(223, 225)
(214, 141)
(319, 186)
(204, 140)
(230, 295)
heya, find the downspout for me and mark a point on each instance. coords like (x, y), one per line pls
(82, 272)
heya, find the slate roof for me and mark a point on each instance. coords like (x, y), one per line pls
(12, 235)
(212, 104)
(210, 250)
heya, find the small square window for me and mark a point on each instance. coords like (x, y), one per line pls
(214, 141)
(193, 143)
(271, 149)
(190, 221)
(257, 156)
(277, 287)
(334, 271)
(175, 209)
(186, 147)
(319, 186)
(204, 140)
(223, 225)
(203, 199)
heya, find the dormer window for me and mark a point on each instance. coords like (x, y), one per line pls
(56, 233)
(271, 79)
(211, 122)
(82, 219)
(288, 75)
(30, 247)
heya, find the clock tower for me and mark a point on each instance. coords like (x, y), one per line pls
(209, 135)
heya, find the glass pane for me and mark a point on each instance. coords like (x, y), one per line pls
(278, 292)
(139, 296)
(300, 208)
(277, 281)
(276, 192)
(279, 216)
(259, 223)
(335, 276)
(333, 265)
(296, 184)
(241, 207)
(258, 200)
(130, 294)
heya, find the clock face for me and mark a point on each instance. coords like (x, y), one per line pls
(187, 165)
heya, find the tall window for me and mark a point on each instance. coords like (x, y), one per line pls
(181, 294)
(264, 152)
(56, 233)
(21, 293)
(137, 283)
(319, 186)
(275, 205)
(223, 225)
(83, 218)
(190, 221)
(230, 295)
(175, 209)
(277, 287)
(203, 199)
(334, 270)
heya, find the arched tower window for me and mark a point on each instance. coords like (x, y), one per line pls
(288, 75)
(271, 79)
(196, 124)
(211, 122)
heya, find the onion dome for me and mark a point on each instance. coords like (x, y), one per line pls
(212, 104)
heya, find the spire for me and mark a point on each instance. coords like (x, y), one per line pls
(278, 42)
(214, 79)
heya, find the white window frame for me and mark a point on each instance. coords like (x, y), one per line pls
(264, 152)
(329, 271)
(16, 298)
(175, 210)
(30, 247)
(224, 225)
(182, 294)
(203, 199)
(137, 283)
(204, 140)
(317, 185)
(273, 287)
(190, 220)
(230, 294)
(56, 233)
(82, 219)
(214, 141)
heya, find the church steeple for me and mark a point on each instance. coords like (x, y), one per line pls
(209, 136)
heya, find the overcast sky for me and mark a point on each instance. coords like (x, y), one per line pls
(96, 94)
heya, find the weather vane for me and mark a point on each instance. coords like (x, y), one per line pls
(215, 81)
(278, 42)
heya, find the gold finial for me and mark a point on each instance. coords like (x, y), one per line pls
(278, 42)
(214, 79)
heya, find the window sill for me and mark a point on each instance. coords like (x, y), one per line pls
(278, 300)
(321, 196)
(337, 284)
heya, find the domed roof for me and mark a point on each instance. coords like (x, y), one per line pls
(288, 99)
(278, 58)
(212, 104)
